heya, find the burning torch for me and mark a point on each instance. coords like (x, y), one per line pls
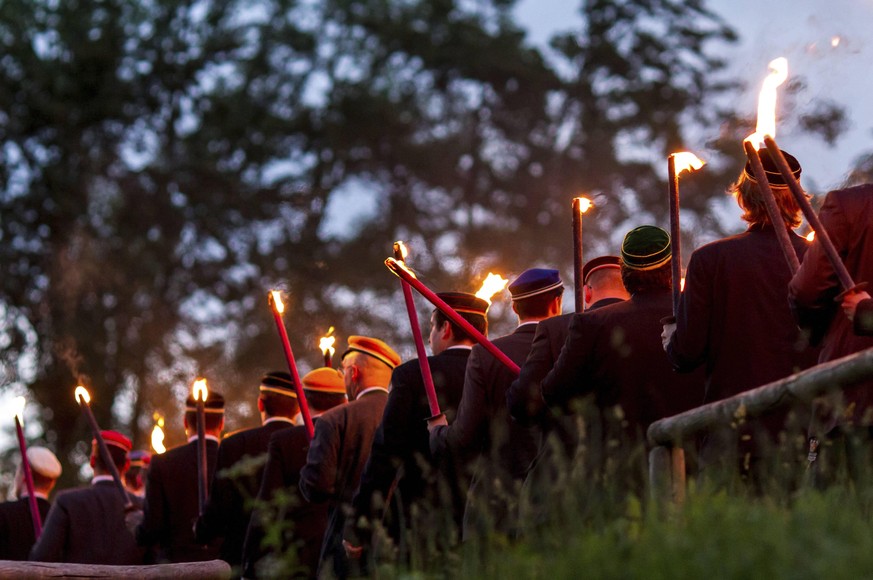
(278, 308)
(325, 343)
(676, 164)
(580, 206)
(400, 253)
(200, 392)
(84, 399)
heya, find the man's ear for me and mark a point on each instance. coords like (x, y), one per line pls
(446, 331)
(588, 293)
(260, 405)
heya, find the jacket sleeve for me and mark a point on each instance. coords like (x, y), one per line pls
(53, 540)
(155, 521)
(524, 398)
(465, 434)
(318, 476)
(813, 288)
(568, 378)
(689, 345)
(212, 523)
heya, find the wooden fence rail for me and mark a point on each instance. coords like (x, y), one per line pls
(216, 569)
(667, 460)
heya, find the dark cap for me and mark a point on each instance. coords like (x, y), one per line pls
(139, 458)
(465, 303)
(599, 263)
(645, 248)
(278, 382)
(214, 402)
(534, 282)
(774, 176)
(375, 348)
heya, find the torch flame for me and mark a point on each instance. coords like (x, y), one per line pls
(492, 284)
(685, 161)
(18, 408)
(584, 205)
(199, 390)
(399, 245)
(83, 394)
(810, 236)
(277, 301)
(326, 342)
(158, 436)
(767, 102)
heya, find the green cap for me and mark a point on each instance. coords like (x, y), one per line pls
(646, 248)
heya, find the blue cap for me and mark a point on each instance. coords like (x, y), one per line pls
(535, 281)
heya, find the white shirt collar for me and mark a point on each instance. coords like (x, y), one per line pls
(207, 436)
(282, 419)
(99, 478)
(40, 494)
(460, 347)
(371, 390)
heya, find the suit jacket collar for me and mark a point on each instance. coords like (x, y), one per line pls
(604, 302)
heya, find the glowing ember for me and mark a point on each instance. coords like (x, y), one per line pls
(767, 102)
(584, 205)
(83, 394)
(835, 41)
(326, 342)
(158, 435)
(682, 283)
(686, 161)
(277, 301)
(18, 408)
(810, 236)
(199, 390)
(492, 284)
(398, 245)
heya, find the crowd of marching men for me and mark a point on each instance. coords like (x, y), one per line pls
(380, 465)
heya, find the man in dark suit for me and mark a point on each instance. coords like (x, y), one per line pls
(171, 504)
(16, 523)
(498, 450)
(228, 510)
(602, 286)
(847, 215)
(279, 501)
(734, 320)
(87, 525)
(401, 470)
(615, 354)
(342, 441)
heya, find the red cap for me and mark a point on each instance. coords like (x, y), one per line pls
(115, 438)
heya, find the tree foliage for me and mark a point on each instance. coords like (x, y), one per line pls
(169, 161)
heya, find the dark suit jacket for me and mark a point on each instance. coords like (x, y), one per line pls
(847, 215)
(336, 458)
(615, 353)
(86, 526)
(483, 432)
(227, 513)
(286, 456)
(171, 504)
(734, 318)
(401, 447)
(525, 396)
(16, 527)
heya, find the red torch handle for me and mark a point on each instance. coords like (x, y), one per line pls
(292, 367)
(28, 481)
(426, 376)
(400, 271)
(675, 233)
(821, 234)
(772, 209)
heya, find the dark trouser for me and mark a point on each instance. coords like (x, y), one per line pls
(845, 453)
